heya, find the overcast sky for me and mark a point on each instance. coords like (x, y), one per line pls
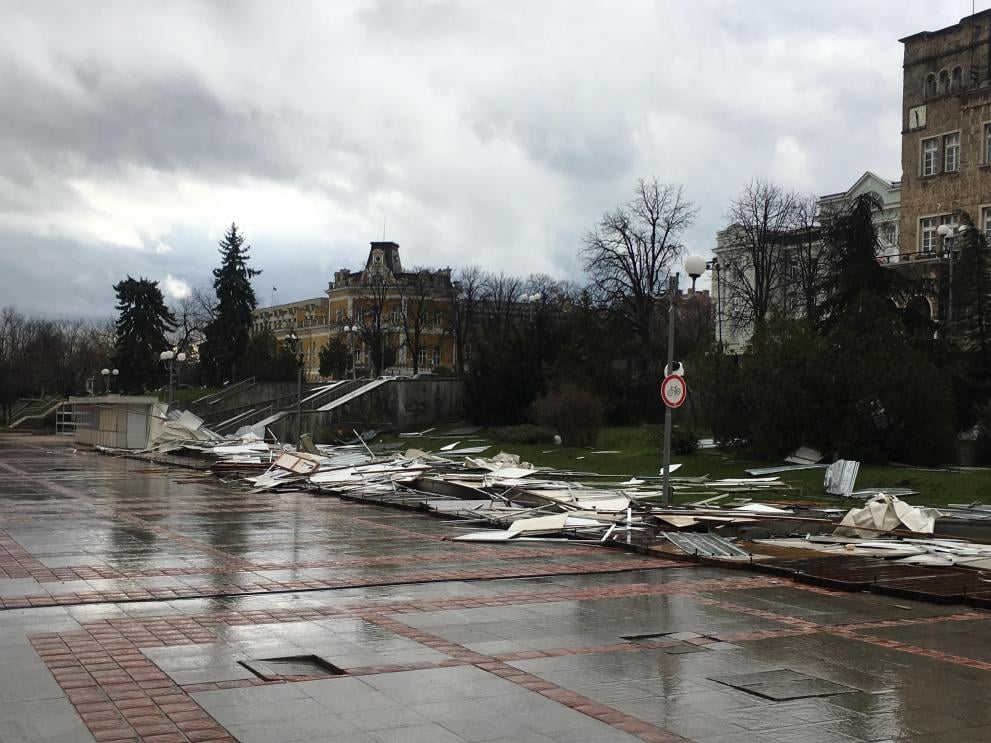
(495, 133)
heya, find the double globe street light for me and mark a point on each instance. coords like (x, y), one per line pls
(949, 233)
(107, 375)
(172, 359)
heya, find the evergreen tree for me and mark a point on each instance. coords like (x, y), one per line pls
(267, 359)
(226, 336)
(335, 359)
(141, 327)
(852, 244)
(972, 290)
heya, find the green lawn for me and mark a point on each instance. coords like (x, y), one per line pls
(639, 455)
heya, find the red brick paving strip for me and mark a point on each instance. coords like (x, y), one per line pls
(91, 572)
(263, 586)
(120, 692)
(121, 695)
(17, 562)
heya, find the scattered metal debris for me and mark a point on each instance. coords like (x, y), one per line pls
(709, 545)
(841, 476)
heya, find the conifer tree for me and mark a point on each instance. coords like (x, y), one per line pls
(142, 323)
(972, 290)
(227, 335)
(858, 283)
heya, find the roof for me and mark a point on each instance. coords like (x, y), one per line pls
(948, 29)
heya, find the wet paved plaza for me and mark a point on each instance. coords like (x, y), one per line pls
(144, 603)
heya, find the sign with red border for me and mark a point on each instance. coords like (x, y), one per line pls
(674, 390)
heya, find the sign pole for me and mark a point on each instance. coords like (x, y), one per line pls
(666, 487)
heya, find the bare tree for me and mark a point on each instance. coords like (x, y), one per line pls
(371, 317)
(628, 255)
(192, 314)
(762, 219)
(500, 305)
(810, 256)
(12, 382)
(41, 357)
(463, 297)
(416, 294)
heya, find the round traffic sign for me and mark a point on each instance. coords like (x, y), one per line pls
(674, 390)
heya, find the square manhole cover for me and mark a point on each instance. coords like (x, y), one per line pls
(293, 666)
(782, 685)
(679, 643)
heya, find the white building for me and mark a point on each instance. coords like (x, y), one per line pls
(731, 257)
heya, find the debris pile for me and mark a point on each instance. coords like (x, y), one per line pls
(501, 498)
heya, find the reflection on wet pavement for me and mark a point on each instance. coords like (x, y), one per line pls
(139, 601)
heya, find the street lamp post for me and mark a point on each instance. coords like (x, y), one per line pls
(949, 234)
(172, 359)
(694, 266)
(714, 265)
(294, 348)
(351, 330)
(107, 374)
(666, 485)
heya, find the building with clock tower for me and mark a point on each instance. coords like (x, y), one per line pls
(946, 135)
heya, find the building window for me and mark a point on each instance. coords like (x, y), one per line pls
(889, 234)
(956, 78)
(951, 153)
(930, 153)
(467, 350)
(436, 357)
(421, 357)
(395, 313)
(930, 84)
(944, 81)
(987, 144)
(927, 234)
(438, 317)
(986, 220)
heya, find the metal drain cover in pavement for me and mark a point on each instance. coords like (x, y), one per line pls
(307, 666)
(781, 685)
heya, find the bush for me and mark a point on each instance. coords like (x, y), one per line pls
(523, 434)
(574, 412)
(684, 439)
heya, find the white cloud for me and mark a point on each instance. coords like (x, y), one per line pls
(490, 133)
(176, 288)
(790, 165)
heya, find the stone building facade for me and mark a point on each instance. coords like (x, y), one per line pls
(404, 313)
(946, 133)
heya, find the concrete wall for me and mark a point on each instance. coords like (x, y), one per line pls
(248, 396)
(400, 404)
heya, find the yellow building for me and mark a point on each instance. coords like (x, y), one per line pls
(393, 322)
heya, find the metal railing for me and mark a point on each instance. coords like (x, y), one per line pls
(918, 256)
(215, 397)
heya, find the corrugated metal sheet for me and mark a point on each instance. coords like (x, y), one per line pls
(703, 544)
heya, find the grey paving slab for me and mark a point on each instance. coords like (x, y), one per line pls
(144, 519)
(417, 734)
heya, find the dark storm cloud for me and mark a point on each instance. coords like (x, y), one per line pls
(132, 133)
(171, 123)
